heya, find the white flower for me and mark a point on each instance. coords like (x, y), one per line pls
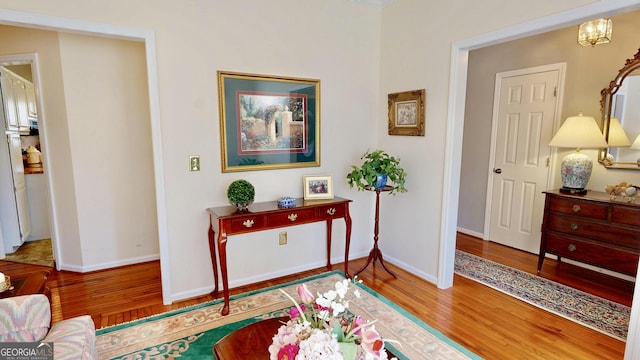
(319, 346)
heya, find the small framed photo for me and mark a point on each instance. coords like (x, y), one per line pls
(406, 113)
(317, 187)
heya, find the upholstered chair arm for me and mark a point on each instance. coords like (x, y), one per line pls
(74, 339)
(24, 318)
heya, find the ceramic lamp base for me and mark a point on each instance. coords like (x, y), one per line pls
(576, 171)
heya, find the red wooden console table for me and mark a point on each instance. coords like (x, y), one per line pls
(226, 220)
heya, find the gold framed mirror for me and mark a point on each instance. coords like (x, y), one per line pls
(620, 106)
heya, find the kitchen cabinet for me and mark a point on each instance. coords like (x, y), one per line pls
(8, 100)
(17, 93)
(32, 108)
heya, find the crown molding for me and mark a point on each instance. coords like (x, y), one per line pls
(376, 3)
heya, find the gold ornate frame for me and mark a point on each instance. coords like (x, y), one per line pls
(406, 113)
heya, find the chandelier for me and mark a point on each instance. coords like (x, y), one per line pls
(595, 32)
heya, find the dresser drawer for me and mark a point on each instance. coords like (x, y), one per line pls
(291, 217)
(579, 208)
(331, 212)
(244, 224)
(592, 253)
(625, 215)
(600, 231)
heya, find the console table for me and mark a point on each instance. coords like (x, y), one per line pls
(592, 229)
(227, 220)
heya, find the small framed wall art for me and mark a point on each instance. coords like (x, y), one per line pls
(268, 122)
(317, 187)
(406, 113)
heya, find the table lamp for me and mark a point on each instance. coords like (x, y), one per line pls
(617, 137)
(579, 132)
(636, 143)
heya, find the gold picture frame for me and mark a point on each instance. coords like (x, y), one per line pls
(317, 187)
(268, 121)
(406, 113)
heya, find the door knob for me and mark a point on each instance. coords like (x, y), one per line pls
(497, 171)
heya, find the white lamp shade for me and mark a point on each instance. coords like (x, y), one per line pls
(580, 132)
(636, 143)
(617, 137)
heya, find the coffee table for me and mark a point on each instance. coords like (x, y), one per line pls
(251, 342)
(27, 284)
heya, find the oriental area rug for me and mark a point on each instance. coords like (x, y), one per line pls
(190, 333)
(600, 314)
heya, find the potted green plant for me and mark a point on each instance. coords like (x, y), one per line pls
(377, 167)
(241, 194)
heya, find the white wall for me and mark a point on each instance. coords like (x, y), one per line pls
(107, 103)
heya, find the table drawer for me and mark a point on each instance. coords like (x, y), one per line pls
(331, 212)
(243, 224)
(579, 208)
(592, 253)
(291, 217)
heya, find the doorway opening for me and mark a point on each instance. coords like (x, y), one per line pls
(26, 219)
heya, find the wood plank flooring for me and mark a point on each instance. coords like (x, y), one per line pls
(485, 321)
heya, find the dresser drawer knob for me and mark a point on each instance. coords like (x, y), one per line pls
(292, 217)
(573, 226)
(576, 208)
(331, 211)
(572, 247)
(248, 223)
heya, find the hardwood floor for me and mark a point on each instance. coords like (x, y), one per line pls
(485, 321)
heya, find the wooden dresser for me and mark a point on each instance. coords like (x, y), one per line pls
(591, 229)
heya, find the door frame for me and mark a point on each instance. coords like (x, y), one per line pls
(561, 68)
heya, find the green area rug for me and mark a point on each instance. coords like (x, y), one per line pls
(589, 310)
(191, 332)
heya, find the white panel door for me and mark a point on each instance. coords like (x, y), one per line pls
(523, 126)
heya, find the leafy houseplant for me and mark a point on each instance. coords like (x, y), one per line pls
(377, 164)
(241, 194)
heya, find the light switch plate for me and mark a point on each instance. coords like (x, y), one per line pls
(194, 162)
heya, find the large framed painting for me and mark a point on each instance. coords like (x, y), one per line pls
(268, 122)
(406, 113)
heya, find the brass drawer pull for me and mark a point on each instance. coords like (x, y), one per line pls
(331, 211)
(248, 223)
(292, 217)
(574, 226)
(576, 208)
(572, 247)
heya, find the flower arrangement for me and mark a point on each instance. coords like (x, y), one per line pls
(321, 329)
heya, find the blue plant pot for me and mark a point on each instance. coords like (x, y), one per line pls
(381, 181)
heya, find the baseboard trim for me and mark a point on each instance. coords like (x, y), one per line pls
(471, 233)
(109, 265)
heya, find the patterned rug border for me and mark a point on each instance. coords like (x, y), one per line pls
(614, 332)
